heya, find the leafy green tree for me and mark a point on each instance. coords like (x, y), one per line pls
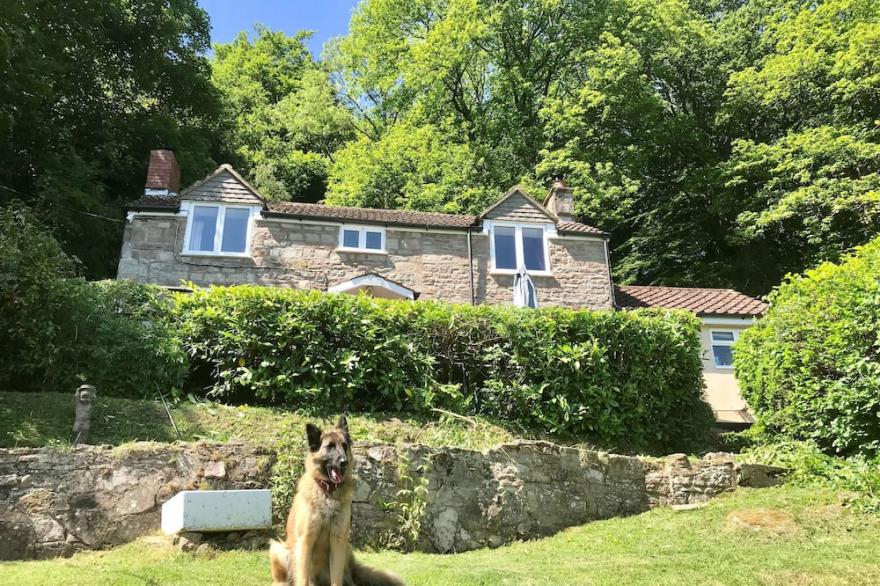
(286, 123)
(803, 180)
(723, 143)
(85, 92)
(414, 168)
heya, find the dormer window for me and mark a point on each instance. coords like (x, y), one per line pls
(516, 244)
(217, 229)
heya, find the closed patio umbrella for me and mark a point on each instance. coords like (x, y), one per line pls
(524, 293)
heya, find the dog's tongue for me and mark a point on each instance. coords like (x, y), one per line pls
(335, 476)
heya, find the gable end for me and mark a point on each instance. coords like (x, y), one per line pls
(517, 206)
(224, 185)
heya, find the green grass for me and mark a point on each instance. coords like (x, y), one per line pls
(39, 419)
(830, 546)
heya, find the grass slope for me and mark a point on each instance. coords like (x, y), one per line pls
(830, 546)
(39, 419)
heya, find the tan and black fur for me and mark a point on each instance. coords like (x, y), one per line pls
(317, 551)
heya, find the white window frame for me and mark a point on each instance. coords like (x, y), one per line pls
(362, 239)
(549, 231)
(187, 208)
(729, 343)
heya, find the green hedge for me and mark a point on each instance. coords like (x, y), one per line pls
(811, 367)
(622, 378)
(62, 331)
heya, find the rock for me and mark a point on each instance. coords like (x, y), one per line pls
(47, 529)
(38, 501)
(191, 536)
(233, 537)
(215, 470)
(205, 550)
(8, 480)
(254, 540)
(186, 545)
(763, 520)
(760, 475)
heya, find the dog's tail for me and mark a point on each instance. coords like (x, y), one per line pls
(367, 576)
(279, 557)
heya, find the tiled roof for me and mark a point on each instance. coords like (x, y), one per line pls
(578, 228)
(225, 184)
(155, 202)
(369, 215)
(700, 301)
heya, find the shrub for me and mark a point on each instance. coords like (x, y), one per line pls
(629, 379)
(810, 367)
(64, 331)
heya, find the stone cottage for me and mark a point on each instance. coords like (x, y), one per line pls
(220, 231)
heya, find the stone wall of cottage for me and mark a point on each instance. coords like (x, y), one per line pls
(58, 501)
(303, 255)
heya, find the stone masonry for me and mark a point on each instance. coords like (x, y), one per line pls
(55, 502)
(303, 255)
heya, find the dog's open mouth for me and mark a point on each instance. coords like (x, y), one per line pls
(335, 475)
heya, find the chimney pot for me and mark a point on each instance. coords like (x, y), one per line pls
(163, 174)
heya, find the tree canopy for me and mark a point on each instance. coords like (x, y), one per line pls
(285, 121)
(85, 92)
(722, 143)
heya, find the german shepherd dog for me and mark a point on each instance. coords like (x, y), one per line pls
(317, 551)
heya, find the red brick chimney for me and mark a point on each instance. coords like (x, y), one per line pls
(163, 174)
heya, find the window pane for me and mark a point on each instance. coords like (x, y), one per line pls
(533, 248)
(505, 247)
(350, 238)
(204, 227)
(723, 355)
(722, 336)
(235, 226)
(374, 240)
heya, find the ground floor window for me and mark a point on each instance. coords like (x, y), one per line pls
(722, 347)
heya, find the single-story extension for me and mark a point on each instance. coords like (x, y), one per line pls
(725, 313)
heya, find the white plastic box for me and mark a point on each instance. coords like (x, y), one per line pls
(217, 510)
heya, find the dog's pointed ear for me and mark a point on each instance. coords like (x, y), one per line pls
(314, 436)
(342, 426)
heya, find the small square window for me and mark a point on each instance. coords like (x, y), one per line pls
(374, 240)
(723, 355)
(350, 238)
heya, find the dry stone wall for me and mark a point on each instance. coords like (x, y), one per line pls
(55, 502)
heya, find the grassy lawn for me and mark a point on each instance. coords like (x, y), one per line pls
(39, 419)
(827, 545)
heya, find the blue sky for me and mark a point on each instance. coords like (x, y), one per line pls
(328, 18)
